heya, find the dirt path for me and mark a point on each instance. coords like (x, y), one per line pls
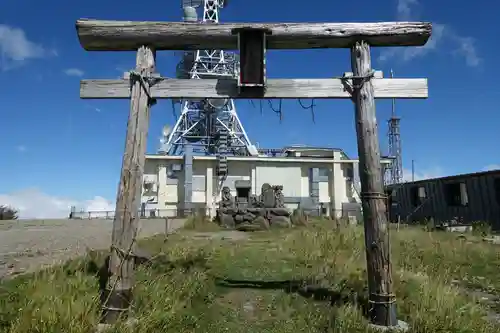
(27, 246)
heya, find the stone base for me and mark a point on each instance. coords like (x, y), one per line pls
(400, 327)
(492, 239)
(459, 228)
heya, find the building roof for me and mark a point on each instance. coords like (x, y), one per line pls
(258, 158)
(302, 148)
(452, 178)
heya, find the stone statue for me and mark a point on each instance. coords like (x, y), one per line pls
(249, 213)
(226, 198)
(279, 198)
(267, 196)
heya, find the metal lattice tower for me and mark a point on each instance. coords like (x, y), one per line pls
(209, 126)
(395, 172)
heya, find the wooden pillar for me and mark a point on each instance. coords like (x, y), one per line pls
(117, 296)
(381, 298)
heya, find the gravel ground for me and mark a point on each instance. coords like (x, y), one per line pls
(29, 245)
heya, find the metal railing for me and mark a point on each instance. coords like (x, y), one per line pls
(202, 210)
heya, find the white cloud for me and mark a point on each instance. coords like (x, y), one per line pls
(21, 148)
(74, 72)
(491, 167)
(441, 33)
(32, 203)
(16, 48)
(405, 9)
(408, 53)
(466, 48)
(421, 174)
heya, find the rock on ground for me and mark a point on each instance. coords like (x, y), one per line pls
(29, 245)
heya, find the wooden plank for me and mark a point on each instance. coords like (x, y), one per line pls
(373, 199)
(126, 220)
(277, 88)
(98, 35)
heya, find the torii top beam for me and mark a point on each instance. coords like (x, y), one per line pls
(97, 35)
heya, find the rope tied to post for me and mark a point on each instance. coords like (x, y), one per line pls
(123, 254)
(373, 195)
(385, 299)
(357, 81)
(146, 81)
(111, 299)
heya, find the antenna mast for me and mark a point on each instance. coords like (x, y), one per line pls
(208, 126)
(395, 174)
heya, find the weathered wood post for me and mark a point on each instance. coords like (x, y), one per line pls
(381, 297)
(117, 296)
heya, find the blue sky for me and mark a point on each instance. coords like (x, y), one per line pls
(66, 150)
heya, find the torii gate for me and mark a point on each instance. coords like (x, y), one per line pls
(144, 86)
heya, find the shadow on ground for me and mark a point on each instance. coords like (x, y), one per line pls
(158, 264)
(303, 288)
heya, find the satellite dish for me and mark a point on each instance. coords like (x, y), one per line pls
(190, 14)
(166, 131)
(217, 103)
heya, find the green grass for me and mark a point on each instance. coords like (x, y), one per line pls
(253, 285)
(200, 224)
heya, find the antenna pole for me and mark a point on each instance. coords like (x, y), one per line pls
(395, 174)
(412, 170)
(393, 100)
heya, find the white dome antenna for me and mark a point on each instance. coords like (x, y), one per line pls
(217, 103)
(166, 131)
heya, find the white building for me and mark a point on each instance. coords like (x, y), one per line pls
(327, 179)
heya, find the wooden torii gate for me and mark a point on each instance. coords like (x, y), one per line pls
(144, 86)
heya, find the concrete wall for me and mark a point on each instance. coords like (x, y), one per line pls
(168, 190)
(479, 200)
(306, 182)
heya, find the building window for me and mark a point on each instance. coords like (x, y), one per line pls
(418, 195)
(349, 188)
(349, 172)
(456, 194)
(324, 172)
